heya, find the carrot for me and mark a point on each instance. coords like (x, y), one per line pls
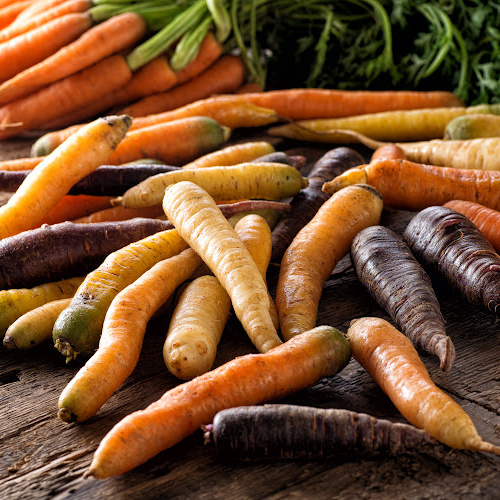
(472, 126)
(451, 246)
(388, 152)
(17, 164)
(485, 219)
(71, 207)
(34, 327)
(175, 143)
(15, 302)
(196, 327)
(119, 213)
(122, 337)
(246, 380)
(413, 186)
(61, 97)
(77, 330)
(388, 270)
(74, 159)
(304, 104)
(199, 221)
(271, 181)
(94, 45)
(249, 88)
(23, 25)
(38, 7)
(154, 77)
(224, 76)
(240, 114)
(26, 50)
(296, 161)
(52, 253)
(10, 12)
(315, 251)
(464, 154)
(284, 431)
(390, 358)
(106, 180)
(399, 125)
(232, 155)
(306, 203)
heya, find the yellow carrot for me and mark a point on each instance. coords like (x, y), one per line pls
(199, 221)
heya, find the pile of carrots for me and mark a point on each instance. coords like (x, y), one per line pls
(209, 223)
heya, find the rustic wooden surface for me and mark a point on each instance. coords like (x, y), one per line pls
(42, 457)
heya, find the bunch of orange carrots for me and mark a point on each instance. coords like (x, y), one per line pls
(202, 243)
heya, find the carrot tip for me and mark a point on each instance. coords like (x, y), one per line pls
(445, 350)
(66, 349)
(480, 445)
(66, 415)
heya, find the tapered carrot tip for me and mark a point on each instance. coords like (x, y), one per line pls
(355, 175)
(445, 351)
(478, 444)
(66, 415)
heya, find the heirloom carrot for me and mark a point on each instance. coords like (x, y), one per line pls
(175, 143)
(95, 44)
(315, 251)
(485, 219)
(22, 26)
(448, 244)
(285, 432)
(122, 337)
(63, 96)
(223, 77)
(246, 380)
(306, 203)
(303, 104)
(390, 358)
(473, 126)
(388, 270)
(34, 327)
(18, 164)
(270, 181)
(388, 152)
(78, 156)
(413, 186)
(200, 222)
(119, 213)
(26, 50)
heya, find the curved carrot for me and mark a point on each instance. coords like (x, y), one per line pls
(24, 25)
(77, 157)
(486, 219)
(119, 213)
(223, 77)
(246, 380)
(315, 251)
(26, 50)
(63, 96)
(390, 358)
(413, 186)
(200, 222)
(122, 336)
(9, 13)
(95, 44)
(19, 164)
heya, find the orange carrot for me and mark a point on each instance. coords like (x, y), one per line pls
(26, 50)
(18, 28)
(249, 88)
(413, 186)
(97, 43)
(303, 104)
(9, 13)
(388, 152)
(154, 77)
(74, 206)
(250, 379)
(37, 7)
(63, 96)
(224, 76)
(174, 143)
(390, 358)
(486, 219)
(119, 213)
(315, 251)
(17, 164)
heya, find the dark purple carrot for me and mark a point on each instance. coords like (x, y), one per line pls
(59, 251)
(106, 180)
(386, 267)
(307, 202)
(297, 161)
(281, 431)
(449, 245)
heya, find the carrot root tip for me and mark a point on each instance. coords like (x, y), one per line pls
(66, 349)
(66, 415)
(445, 350)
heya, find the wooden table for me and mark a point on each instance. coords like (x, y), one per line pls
(42, 457)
